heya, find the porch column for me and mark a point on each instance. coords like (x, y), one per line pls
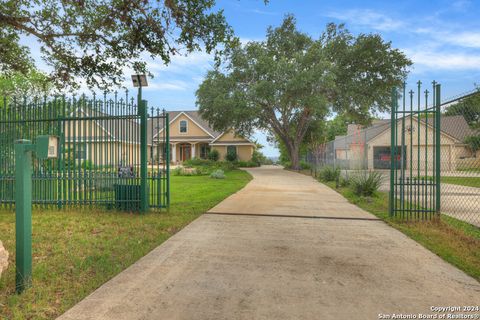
(193, 149)
(174, 153)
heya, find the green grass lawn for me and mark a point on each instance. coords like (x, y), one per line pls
(455, 241)
(74, 252)
(462, 181)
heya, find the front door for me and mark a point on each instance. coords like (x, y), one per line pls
(185, 152)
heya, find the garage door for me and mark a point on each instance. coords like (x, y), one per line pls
(427, 155)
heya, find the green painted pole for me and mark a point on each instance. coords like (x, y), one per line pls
(438, 147)
(23, 214)
(167, 155)
(392, 152)
(143, 113)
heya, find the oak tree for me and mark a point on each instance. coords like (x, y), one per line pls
(98, 40)
(290, 82)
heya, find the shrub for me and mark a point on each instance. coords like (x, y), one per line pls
(473, 143)
(181, 171)
(247, 164)
(285, 164)
(260, 158)
(329, 173)
(87, 165)
(213, 155)
(304, 165)
(231, 156)
(366, 184)
(217, 174)
(343, 181)
(194, 162)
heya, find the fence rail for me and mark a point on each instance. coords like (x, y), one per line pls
(99, 152)
(363, 150)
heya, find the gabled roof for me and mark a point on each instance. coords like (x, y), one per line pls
(113, 128)
(342, 142)
(454, 126)
(215, 141)
(193, 115)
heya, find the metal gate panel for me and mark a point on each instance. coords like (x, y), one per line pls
(99, 160)
(415, 131)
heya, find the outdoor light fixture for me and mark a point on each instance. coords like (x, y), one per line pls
(139, 80)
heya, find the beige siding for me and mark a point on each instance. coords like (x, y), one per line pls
(193, 130)
(448, 154)
(230, 136)
(244, 152)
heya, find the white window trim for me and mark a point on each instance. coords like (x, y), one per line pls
(180, 127)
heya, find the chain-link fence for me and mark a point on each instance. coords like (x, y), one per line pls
(365, 149)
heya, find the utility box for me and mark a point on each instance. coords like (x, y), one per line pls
(46, 147)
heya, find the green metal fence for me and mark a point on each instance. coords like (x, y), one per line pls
(415, 188)
(366, 148)
(99, 160)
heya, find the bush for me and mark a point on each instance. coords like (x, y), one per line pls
(194, 162)
(343, 181)
(217, 174)
(181, 171)
(213, 155)
(231, 156)
(473, 143)
(87, 165)
(304, 165)
(247, 164)
(366, 184)
(329, 173)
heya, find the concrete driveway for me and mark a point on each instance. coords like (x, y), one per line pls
(284, 247)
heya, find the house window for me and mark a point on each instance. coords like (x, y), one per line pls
(81, 151)
(232, 150)
(204, 150)
(183, 126)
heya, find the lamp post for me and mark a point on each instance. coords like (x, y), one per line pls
(140, 81)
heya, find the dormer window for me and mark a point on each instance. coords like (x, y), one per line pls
(183, 126)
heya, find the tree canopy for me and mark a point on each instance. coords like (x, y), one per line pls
(33, 83)
(97, 40)
(289, 83)
(469, 108)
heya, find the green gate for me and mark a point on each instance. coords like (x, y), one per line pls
(415, 153)
(100, 155)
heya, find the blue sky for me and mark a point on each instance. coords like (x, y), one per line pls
(442, 38)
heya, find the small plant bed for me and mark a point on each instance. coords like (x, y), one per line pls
(198, 167)
(75, 252)
(455, 241)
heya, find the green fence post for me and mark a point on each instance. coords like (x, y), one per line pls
(23, 214)
(438, 147)
(142, 108)
(167, 155)
(392, 153)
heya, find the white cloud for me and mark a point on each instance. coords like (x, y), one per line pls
(368, 18)
(435, 44)
(263, 12)
(171, 86)
(181, 62)
(464, 39)
(442, 60)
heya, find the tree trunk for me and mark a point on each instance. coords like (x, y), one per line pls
(295, 159)
(293, 153)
